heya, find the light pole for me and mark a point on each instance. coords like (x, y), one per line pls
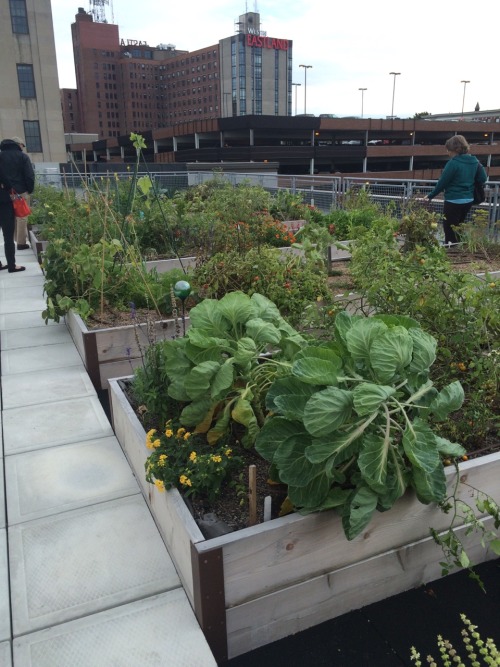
(394, 74)
(296, 85)
(465, 82)
(306, 67)
(362, 99)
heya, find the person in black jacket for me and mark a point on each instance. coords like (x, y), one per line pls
(19, 170)
(7, 217)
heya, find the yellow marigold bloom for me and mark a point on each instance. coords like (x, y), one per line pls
(159, 485)
(151, 433)
(192, 456)
(162, 460)
(187, 435)
(185, 481)
(216, 458)
(180, 432)
(169, 433)
(156, 443)
(228, 452)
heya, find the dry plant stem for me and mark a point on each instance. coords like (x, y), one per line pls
(252, 495)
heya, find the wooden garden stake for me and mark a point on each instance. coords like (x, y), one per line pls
(252, 495)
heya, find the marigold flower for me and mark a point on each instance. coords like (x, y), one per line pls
(187, 435)
(169, 433)
(228, 452)
(216, 458)
(156, 443)
(159, 485)
(162, 460)
(185, 481)
(192, 456)
(180, 432)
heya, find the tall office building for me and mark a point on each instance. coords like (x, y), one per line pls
(30, 105)
(126, 85)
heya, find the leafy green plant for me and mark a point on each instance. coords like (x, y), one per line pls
(463, 513)
(477, 650)
(352, 425)
(461, 310)
(289, 281)
(220, 370)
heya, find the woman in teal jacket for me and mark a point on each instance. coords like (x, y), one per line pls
(457, 182)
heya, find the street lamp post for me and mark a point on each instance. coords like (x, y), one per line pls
(306, 67)
(394, 74)
(362, 98)
(296, 85)
(465, 82)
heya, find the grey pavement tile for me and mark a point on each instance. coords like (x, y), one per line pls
(14, 339)
(160, 631)
(4, 589)
(40, 357)
(59, 479)
(87, 560)
(57, 423)
(26, 320)
(23, 280)
(2, 496)
(5, 654)
(21, 292)
(13, 305)
(45, 386)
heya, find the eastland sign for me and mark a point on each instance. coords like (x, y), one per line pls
(267, 42)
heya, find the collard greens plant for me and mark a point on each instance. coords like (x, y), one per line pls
(222, 367)
(351, 427)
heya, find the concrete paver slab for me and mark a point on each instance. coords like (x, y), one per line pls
(59, 355)
(4, 589)
(25, 321)
(13, 305)
(22, 291)
(5, 654)
(57, 423)
(59, 479)
(160, 631)
(23, 389)
(2, 498)
(41, 335)
(26, 279)
(87, 560)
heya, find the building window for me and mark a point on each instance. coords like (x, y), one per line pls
(26, 81)
(19, 17)
(32, 136)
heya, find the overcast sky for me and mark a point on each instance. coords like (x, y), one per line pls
(434, 44)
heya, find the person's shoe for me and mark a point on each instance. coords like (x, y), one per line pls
(17, 268)
(2, 266)
(22, 246)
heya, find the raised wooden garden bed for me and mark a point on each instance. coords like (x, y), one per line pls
(257, 585)
(37, 245)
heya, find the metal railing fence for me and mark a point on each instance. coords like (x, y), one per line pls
(325, 192)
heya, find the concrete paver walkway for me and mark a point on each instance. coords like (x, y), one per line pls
(85, 578)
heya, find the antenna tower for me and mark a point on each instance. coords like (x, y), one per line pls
(97, 10)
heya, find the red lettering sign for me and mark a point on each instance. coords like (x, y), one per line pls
(267, 42)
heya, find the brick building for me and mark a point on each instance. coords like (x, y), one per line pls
(128, 86)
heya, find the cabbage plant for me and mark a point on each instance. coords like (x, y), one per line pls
(220, 370)
(351, 427)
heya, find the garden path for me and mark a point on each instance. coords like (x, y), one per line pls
(85, 578)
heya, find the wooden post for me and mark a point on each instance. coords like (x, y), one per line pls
(252, 494)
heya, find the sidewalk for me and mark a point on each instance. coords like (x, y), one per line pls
(85, 578)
